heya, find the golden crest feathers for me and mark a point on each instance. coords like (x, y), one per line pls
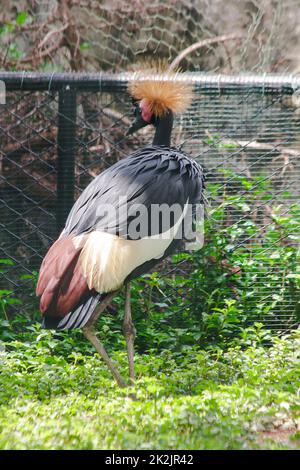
(161, 93)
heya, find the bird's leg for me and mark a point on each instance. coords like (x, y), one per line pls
(129, 332)
(89, 333)
(100, 309)
(91, 336)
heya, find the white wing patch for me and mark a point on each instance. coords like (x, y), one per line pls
(107, 259)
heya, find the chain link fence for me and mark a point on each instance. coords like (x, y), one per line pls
(58, 131)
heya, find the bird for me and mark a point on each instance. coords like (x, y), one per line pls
(97, 252)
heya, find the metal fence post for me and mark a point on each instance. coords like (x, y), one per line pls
(66, 154)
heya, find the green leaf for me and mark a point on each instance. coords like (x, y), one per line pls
(7, 261)
(21, 17)
(85, 46)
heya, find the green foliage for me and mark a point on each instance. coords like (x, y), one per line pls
(85, 46)
(8, 37)
(209, 374)
(21, 18)
(247, 272)
(57, 395)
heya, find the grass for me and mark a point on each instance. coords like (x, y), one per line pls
(56, 394)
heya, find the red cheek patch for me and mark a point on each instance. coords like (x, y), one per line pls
(145, 111)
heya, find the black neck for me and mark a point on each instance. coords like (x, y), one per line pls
(163, 130)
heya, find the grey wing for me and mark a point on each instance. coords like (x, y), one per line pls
(148, 178)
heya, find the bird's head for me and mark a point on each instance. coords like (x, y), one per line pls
(143, 116)
(157, 94)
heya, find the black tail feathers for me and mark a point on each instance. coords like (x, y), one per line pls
(77, 318)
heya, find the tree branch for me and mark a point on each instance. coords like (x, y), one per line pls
(203, 43)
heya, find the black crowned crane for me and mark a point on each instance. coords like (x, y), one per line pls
(96, 254)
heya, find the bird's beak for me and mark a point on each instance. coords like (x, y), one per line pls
(137, 124)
